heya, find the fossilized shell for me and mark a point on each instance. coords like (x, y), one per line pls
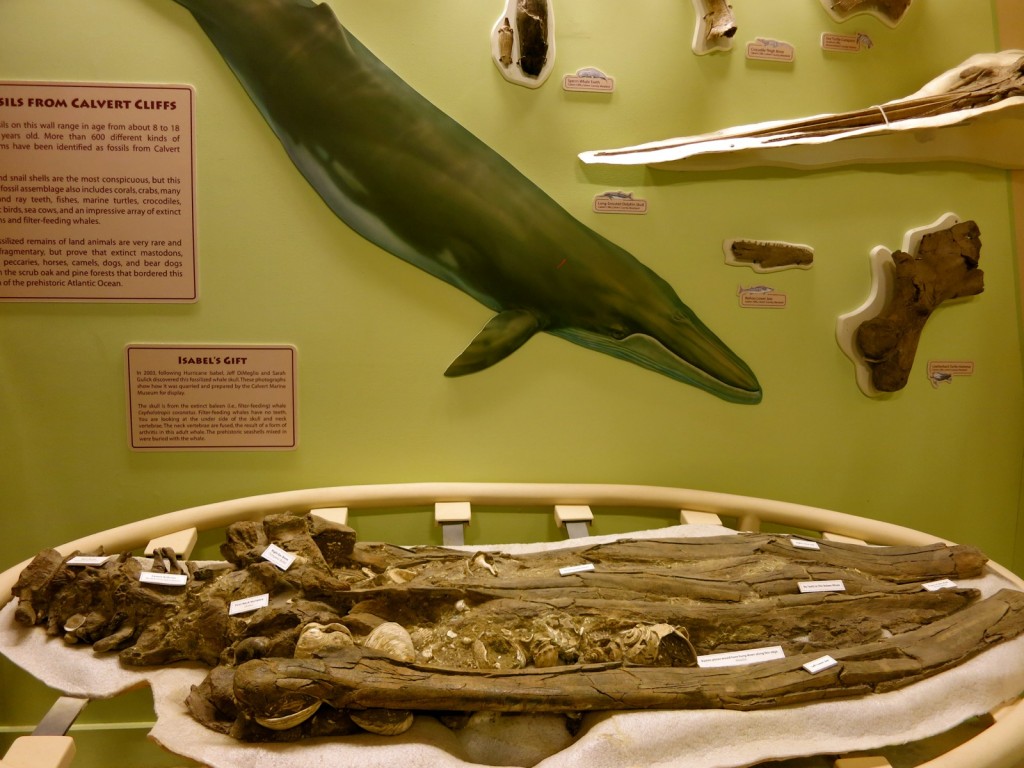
(545, 653)
(399, 575)
(319, 640)
(386, 722)
(74, 622)
(393, 640)
(284, 722)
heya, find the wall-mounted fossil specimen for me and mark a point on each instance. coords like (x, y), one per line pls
(523, 42)
(964, 103)
(938, 263)
(889, 11)
(767, 255)
(715, 28)
(360, 637)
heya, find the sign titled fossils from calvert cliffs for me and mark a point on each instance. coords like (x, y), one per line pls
(96, 193)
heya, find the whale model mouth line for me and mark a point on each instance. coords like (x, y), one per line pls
(649, 352)
(417, 184)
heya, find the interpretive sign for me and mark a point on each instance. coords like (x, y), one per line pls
(96, 193)
(211, 397)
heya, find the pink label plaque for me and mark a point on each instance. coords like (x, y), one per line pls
(210, 397)
(97, 193)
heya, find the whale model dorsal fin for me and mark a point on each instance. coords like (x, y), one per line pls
(504, 333)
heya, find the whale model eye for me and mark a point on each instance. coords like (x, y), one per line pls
(618, 333)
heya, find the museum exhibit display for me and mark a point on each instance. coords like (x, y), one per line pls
(313, 635)
(257, 518)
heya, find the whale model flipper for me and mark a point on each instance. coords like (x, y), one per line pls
(504, 333)
(417, 184)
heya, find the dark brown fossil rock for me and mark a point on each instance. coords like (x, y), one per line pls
(361, 636)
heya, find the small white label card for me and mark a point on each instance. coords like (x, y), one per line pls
(88, 560)
(935, 586)
(738, 658)
(571, 569)
(248, 604)
(164, 579)
(820, 664)
(278, 557)
(832, 585)
(805, 544)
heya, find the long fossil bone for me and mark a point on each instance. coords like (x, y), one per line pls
(981, 86)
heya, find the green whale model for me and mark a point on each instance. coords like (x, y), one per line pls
(414, 182)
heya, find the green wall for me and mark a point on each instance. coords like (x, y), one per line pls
(374, 334)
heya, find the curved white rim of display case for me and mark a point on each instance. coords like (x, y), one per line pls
(999, 746)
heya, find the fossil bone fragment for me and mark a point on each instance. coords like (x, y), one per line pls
(986, 86)
(321, 658)
(767, 256)
(523, 41)
(716, 26)
(883, 335)
(889, 11)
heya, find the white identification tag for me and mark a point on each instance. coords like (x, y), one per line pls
(570, 569)
(278, 557)
(164, 579)
(805, 544)
(88, 560)
(819, 665)
(247, 604)
(935, 586)
(834, 585)
(737, 658)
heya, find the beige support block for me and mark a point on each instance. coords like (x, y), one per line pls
(338, 515)
(452, 512)
(40, 752)
(573, 513)
(862, 762)
(840, 539)
(692, 517)
(182, 542)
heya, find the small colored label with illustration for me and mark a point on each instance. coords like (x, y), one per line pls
(943, 371)
(766, 49)
(619, 202)
(833, 41)
(589, 79)
(761, 297)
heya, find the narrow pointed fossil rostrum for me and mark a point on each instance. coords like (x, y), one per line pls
(360, 636)
(982, 85)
